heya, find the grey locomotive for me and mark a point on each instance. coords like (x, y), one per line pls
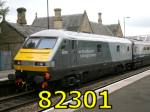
(73, 58)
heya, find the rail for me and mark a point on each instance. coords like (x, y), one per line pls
(11, 102)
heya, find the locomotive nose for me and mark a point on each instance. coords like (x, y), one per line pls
(33, 60)
(36, 55)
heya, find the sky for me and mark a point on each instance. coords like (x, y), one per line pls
(112, 11)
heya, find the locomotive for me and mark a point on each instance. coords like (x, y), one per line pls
(72, 58)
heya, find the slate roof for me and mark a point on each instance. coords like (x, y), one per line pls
(25, 30)
(113, 28)
(100, 29)
(70, 22)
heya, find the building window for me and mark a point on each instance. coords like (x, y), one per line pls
(99, 48)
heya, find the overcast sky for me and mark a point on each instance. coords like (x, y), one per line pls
(112, 11)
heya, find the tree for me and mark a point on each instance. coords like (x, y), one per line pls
(3, 10)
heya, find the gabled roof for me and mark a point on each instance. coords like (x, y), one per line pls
(113, 28)
(100, 29)
(73, 23)
(25, 30)
(70, 22)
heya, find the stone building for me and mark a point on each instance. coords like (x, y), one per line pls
(12, 35)
(115, 29)
(78, 23)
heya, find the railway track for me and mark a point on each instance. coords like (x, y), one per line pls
(21, 101)
(102, 82)
(11, 102)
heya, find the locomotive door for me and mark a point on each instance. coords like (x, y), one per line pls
(73, 52)
(64, 57)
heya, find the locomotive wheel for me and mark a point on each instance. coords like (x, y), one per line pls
(119, 69)
(73, 80)
(128, 67)
(79, 80)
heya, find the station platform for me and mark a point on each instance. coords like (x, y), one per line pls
(4, 74)
(134, 97)
(128, 95)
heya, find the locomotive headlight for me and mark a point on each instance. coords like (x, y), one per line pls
(17, 62)
(40, 63)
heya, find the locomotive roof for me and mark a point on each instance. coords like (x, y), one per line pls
(79, 36)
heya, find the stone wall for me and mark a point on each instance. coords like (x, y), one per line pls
(119, 31)
(10, 39)
(85, 25)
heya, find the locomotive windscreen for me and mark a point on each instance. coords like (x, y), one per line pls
(40, 43)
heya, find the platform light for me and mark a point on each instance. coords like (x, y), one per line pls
(124, 21)
(47, 15)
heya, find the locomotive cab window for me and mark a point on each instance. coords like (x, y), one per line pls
(31, 43)
(40, 43)
(47, 43)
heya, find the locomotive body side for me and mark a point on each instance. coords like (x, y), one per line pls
(69, 57)
(83, 57)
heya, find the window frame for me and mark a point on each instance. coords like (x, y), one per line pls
(40, 39)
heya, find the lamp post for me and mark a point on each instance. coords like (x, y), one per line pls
(124, 20)
(47, 15)
(0, 18)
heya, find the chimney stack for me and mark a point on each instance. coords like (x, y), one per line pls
(21, 16)
(100, 18)
(57, 19)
